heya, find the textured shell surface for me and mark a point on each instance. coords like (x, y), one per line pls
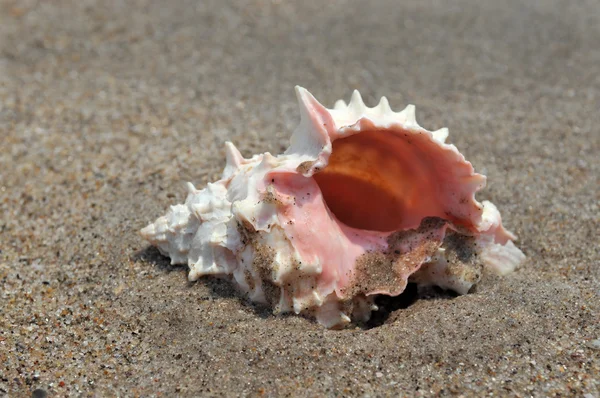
(362, 202)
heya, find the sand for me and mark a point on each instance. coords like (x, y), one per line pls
(107, 107)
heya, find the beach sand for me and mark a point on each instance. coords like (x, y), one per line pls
(108, 107)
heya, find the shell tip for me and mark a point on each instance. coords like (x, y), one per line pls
(384, 105)
(234, 157)
(190, 187)
(409, 114)
(356, 102)
(440, 135)
(306, 102)
(340, 104)
(147, 231)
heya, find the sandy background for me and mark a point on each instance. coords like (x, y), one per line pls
(106, 107)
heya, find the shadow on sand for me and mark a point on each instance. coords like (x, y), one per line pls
(219, 286)
(223, 288)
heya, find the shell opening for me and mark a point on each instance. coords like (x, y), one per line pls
(379, 181)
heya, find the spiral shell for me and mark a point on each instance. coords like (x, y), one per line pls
(362, 202)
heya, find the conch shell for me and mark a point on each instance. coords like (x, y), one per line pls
(363, 201)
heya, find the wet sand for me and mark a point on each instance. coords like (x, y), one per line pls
(106, 108)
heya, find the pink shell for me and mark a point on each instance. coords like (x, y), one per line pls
(363, 200)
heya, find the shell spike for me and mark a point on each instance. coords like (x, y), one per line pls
(191, 189)
(315, 125)
(409, 114)
(441, 134)
(384, 105)
(356, 103)
(234, 159)
(311, 110)
(339, 105)
(305, 101)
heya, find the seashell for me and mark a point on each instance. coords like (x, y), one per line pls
(363, 201)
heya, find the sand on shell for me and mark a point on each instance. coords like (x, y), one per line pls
(106, 108)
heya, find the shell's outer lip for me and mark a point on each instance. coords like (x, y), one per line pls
(320, 127)
(458, 184)
(269, 223)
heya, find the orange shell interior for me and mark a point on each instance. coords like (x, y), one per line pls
(380, 180)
